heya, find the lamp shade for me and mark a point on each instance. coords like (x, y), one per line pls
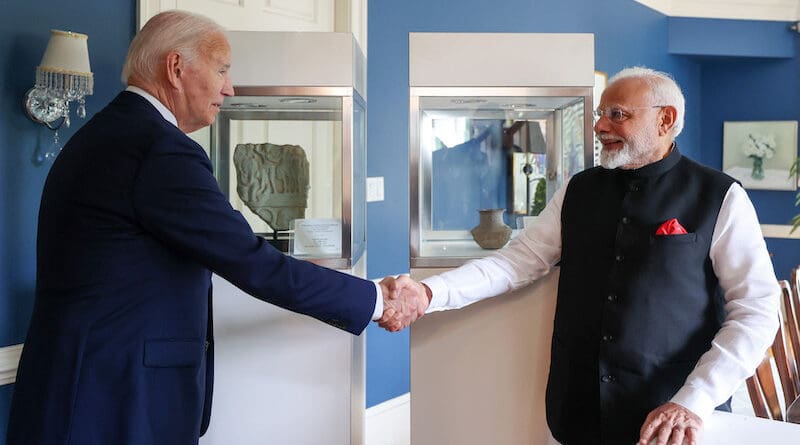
(67, 52)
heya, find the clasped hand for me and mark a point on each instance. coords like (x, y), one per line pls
(404, 301)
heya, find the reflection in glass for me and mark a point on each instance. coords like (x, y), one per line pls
(488, 152)
(572, 139)
(469, 173)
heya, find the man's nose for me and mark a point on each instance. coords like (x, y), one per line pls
(601, 125)
(227, 89)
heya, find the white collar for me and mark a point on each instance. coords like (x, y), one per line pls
(168, 116)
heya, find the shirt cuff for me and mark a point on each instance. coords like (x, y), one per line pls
(378, 313)
(438, 289)
(695, 401)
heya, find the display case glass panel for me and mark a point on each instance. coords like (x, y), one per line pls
(359, 229)
(488, 148)
(291, 164)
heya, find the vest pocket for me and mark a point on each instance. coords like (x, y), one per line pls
(173, 353)
(687, 238)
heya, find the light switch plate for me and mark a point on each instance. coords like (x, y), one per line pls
(375, 189)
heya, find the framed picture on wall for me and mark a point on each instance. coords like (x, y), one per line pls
(760, 153)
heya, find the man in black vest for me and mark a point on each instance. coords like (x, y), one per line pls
(667, 299)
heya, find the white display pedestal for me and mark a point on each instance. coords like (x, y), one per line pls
(283, 378)
(478, 374)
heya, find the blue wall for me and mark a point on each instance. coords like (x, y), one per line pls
(739, 38)
(24, 32)
(742, 89)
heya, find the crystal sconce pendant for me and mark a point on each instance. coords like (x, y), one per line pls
(63, 76)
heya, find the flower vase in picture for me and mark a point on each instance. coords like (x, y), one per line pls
(758, 168)
(492, 232)
(757, 147)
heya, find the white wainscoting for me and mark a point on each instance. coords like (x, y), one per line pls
(779, 231)
(9, 359)
(389, 423)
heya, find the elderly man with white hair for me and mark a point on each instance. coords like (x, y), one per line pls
(132, 224)
(667, 299)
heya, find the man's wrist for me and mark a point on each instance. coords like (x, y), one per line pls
(695, 401)
(428, 292)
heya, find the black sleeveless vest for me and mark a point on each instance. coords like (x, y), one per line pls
(635, 311)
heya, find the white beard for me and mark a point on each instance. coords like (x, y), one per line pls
(635, 151)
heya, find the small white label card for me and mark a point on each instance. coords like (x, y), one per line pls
(317, 237)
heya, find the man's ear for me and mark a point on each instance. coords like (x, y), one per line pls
(175, 69)
(667, 119)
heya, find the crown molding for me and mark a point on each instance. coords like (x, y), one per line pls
(777, 10)
(662, 6)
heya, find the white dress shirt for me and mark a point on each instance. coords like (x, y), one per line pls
(739, 258)
(170, 117)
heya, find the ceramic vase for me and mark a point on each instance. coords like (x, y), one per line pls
(492, 232)
(758, 168)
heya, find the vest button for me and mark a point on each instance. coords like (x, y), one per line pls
(607, 378)
(608, 338)
(619, 257)
(625, 220)
(611, 297)
(633, 187)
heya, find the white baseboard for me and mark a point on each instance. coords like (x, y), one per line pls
(779, 231)
(389, 423)
(9, 359)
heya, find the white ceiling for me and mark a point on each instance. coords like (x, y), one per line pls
(780, 10)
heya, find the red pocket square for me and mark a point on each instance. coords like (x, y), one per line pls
(671, 227)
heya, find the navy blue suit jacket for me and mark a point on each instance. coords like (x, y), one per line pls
(131, 226)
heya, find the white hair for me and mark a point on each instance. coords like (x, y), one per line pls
(663, 91)
(181, 31)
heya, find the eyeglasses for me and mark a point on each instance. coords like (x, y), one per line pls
(618, 115)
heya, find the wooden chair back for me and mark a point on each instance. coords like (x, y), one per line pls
(762, 392)
(762, 387)
(794, 328)
(791, 325)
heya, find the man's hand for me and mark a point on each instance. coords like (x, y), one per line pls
(404, 301)
(669, 424)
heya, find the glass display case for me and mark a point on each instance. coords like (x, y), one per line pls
(292, 160)
(479, 154)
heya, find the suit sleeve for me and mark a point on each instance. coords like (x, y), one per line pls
(177, 199)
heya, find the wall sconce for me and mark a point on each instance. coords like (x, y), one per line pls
(63, 76)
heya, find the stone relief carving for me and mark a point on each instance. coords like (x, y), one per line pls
(272, 181)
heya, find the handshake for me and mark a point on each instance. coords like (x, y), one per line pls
(404, 301)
